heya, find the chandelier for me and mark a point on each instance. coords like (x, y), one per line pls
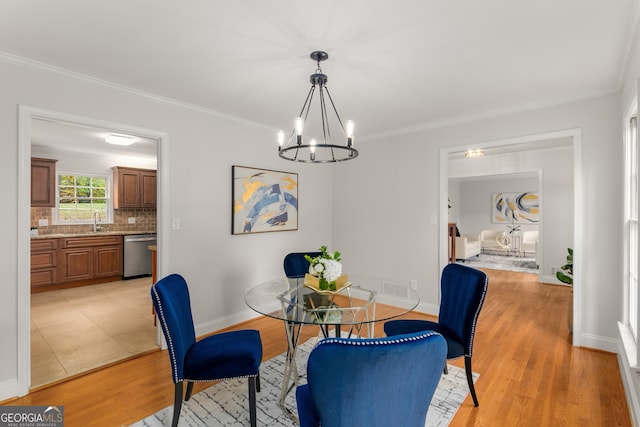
(300, 147)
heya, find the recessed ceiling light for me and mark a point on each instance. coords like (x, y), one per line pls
(472, 154)
(120, 139)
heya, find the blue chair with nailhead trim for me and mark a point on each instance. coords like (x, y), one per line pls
(463, 290)
(387, 381)
(222, 356)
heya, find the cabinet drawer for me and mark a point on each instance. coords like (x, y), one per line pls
(84, 242)
(38, 245)
(46, 259)
(43, 277)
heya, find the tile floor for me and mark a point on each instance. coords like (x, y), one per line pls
(76, 330)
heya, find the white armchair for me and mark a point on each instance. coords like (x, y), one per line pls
(488, 241)
(467, 246)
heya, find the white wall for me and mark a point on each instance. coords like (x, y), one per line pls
(455, 201)
(199, 151)
(476, 199)
(383, 204)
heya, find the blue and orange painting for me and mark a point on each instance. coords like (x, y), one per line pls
(264, 200)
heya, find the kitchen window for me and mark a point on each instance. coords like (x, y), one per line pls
(82, 198)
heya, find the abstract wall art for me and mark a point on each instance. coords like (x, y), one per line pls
(263, 200)
(516, 208)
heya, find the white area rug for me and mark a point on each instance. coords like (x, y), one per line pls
(227, 403)
(502, 262)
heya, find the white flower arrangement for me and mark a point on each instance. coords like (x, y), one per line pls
(326, 267)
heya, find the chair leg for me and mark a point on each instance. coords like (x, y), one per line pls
(252, 401)
(258, 382)
(177, 404)
(189, 390)
(446, 369)
(472, 389)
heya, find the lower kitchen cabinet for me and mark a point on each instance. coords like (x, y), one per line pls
(107, 261)
(87, 258)
(44, 263)
(74, 261)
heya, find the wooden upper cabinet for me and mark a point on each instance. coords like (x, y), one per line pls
(148, 189)
(134, 188)
(43, 182)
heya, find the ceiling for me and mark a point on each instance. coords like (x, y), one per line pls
(392, 67)
(58, 138)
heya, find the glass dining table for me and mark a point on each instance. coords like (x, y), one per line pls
(349, 312)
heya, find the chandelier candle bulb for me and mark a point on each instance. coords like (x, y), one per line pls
(349, 131)
(280, 139)
(299, 125)
(312, 149)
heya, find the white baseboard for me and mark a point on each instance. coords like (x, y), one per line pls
(612, 345)
(549, 279)
(224, 322)
(426, 308)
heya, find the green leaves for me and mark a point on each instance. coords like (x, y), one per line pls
(566, 275)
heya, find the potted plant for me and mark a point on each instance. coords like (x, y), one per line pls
(565, 275)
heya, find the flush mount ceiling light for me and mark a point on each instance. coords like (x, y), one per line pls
(471, 154)
(299, 148)
(120, 139)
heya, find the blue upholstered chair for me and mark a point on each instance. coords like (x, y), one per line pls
(217, 357)
(462, 293)
(295, 265)
(371, 382)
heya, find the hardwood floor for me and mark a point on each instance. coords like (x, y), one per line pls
(530, 375)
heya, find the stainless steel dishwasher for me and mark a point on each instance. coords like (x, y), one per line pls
(137, 256)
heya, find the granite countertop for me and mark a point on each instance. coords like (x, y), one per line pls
(89, 234)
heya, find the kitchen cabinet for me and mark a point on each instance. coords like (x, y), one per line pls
(44, 263)
(91, 258)
(134, 188)
(43, 182)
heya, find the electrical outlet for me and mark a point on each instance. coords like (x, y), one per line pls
(413, 283)
(175, 223)
(43, 222)
(131, 220)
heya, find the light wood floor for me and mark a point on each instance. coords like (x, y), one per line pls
(530, 375)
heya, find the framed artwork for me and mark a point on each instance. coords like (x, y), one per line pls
(263, 200)
(522, 208)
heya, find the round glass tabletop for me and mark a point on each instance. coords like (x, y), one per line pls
(288, 299)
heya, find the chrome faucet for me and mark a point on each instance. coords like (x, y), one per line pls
(96, 218)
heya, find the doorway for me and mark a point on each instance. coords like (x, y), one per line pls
(27, 132)
(574, 139)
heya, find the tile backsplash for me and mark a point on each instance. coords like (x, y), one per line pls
(145, 222)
